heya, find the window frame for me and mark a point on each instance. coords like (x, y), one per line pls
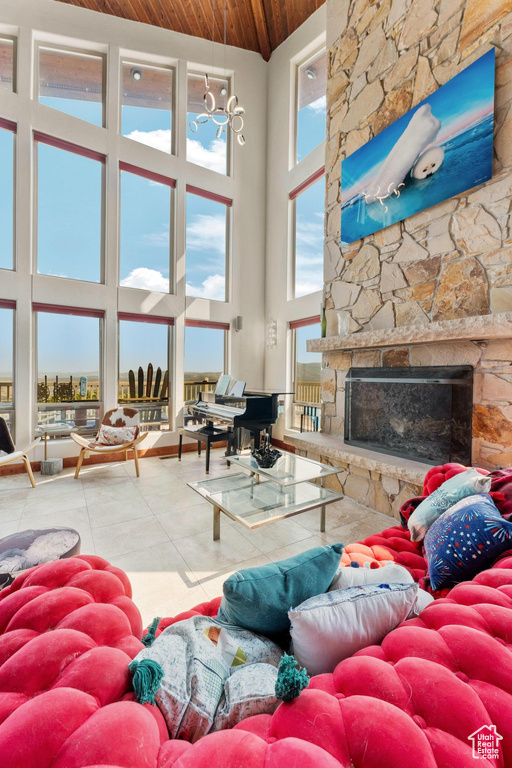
(59, 309)
(292, 218)
(71, 49)
(226, 327)
(67, 146)
(160, 179)
(11, 406)
(12, 127)
(152, 320)
(293, 326)
(229, 143)
(14, 40)
(174, 123)
(302, 62)
(228, 203)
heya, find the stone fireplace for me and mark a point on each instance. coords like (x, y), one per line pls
(435, 289)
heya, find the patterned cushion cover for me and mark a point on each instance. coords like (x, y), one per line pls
(116, 435)
(450, 492)
(465, 540)
(198, 657)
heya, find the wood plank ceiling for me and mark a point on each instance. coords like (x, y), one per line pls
(256, 25)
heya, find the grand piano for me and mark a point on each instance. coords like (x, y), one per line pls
(255, 411)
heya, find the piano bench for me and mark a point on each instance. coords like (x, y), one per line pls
(208, 435)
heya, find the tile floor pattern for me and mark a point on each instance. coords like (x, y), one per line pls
(160, 531)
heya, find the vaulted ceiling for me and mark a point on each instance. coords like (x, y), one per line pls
(256, 25)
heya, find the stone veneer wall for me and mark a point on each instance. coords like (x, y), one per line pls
(451, 261)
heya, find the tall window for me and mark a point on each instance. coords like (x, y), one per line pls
(207, 226)
(7, 64)
(7, 362)
(7, 131)
(69, 211)
(308, 201)
(144, 346)
(307, 376)
(69, 388)
(145, 230)
(311, 104)
(207, 143)
(204, 356)
(147, 104)
(72, 82)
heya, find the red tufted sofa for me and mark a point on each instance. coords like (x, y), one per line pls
(69, 629)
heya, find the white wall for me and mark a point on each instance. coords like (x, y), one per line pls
(282, 178)
(32, 20)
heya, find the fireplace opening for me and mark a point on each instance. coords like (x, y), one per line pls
(419, 413)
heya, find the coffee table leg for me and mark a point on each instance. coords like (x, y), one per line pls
(216, 523)
(322, 510)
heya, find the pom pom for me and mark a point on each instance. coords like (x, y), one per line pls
(291, 679)
(149, 638)
(353, 564)
(147, 676)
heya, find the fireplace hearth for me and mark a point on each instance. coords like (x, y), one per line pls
(419, 413)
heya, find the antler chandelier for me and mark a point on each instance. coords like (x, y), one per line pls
(230, 116)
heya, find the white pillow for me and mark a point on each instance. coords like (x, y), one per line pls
(356, 577)
(329, 628)
(116, 435)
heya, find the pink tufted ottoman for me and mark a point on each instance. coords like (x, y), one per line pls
(68, 630)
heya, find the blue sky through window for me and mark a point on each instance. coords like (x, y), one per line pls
(6, 199)
(206, 248)
(141, 344)
(311, 106)
(140, 121)
(68, 345)
(145, 233)
(204, 352)
(69, 219)
(6, 339)
(204, 147)
(72, 82)
(309, 239)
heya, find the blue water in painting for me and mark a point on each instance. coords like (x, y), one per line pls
(467, 163)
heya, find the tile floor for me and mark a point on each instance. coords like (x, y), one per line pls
(160, 531)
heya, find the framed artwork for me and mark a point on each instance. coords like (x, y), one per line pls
(440, 148)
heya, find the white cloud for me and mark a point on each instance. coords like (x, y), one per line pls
(213, 157)
(310, 235)
(211, 288)
(160, 139)
(318, 106)
(305, 287)
(207, 233)
(156, 239)
(148, 279)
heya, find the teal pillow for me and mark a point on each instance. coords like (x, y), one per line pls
(259, 599)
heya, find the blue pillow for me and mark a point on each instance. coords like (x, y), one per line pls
(259, 598)
(465, 540)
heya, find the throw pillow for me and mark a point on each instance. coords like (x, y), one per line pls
(459, 486)
(249, 691)
(197, 656)
(465, 540)
(259, 598)
(116, 435)
(329, 628)
(358, 577)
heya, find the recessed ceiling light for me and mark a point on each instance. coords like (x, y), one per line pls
(223, 90)
(136, 74)
(311, 73)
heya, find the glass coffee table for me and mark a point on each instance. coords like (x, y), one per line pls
(266, 495)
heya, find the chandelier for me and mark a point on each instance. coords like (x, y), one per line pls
(230, 116)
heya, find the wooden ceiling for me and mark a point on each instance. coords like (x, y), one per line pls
(256, 25)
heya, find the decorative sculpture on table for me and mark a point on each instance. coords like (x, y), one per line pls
(266, 456)
(440, 148)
